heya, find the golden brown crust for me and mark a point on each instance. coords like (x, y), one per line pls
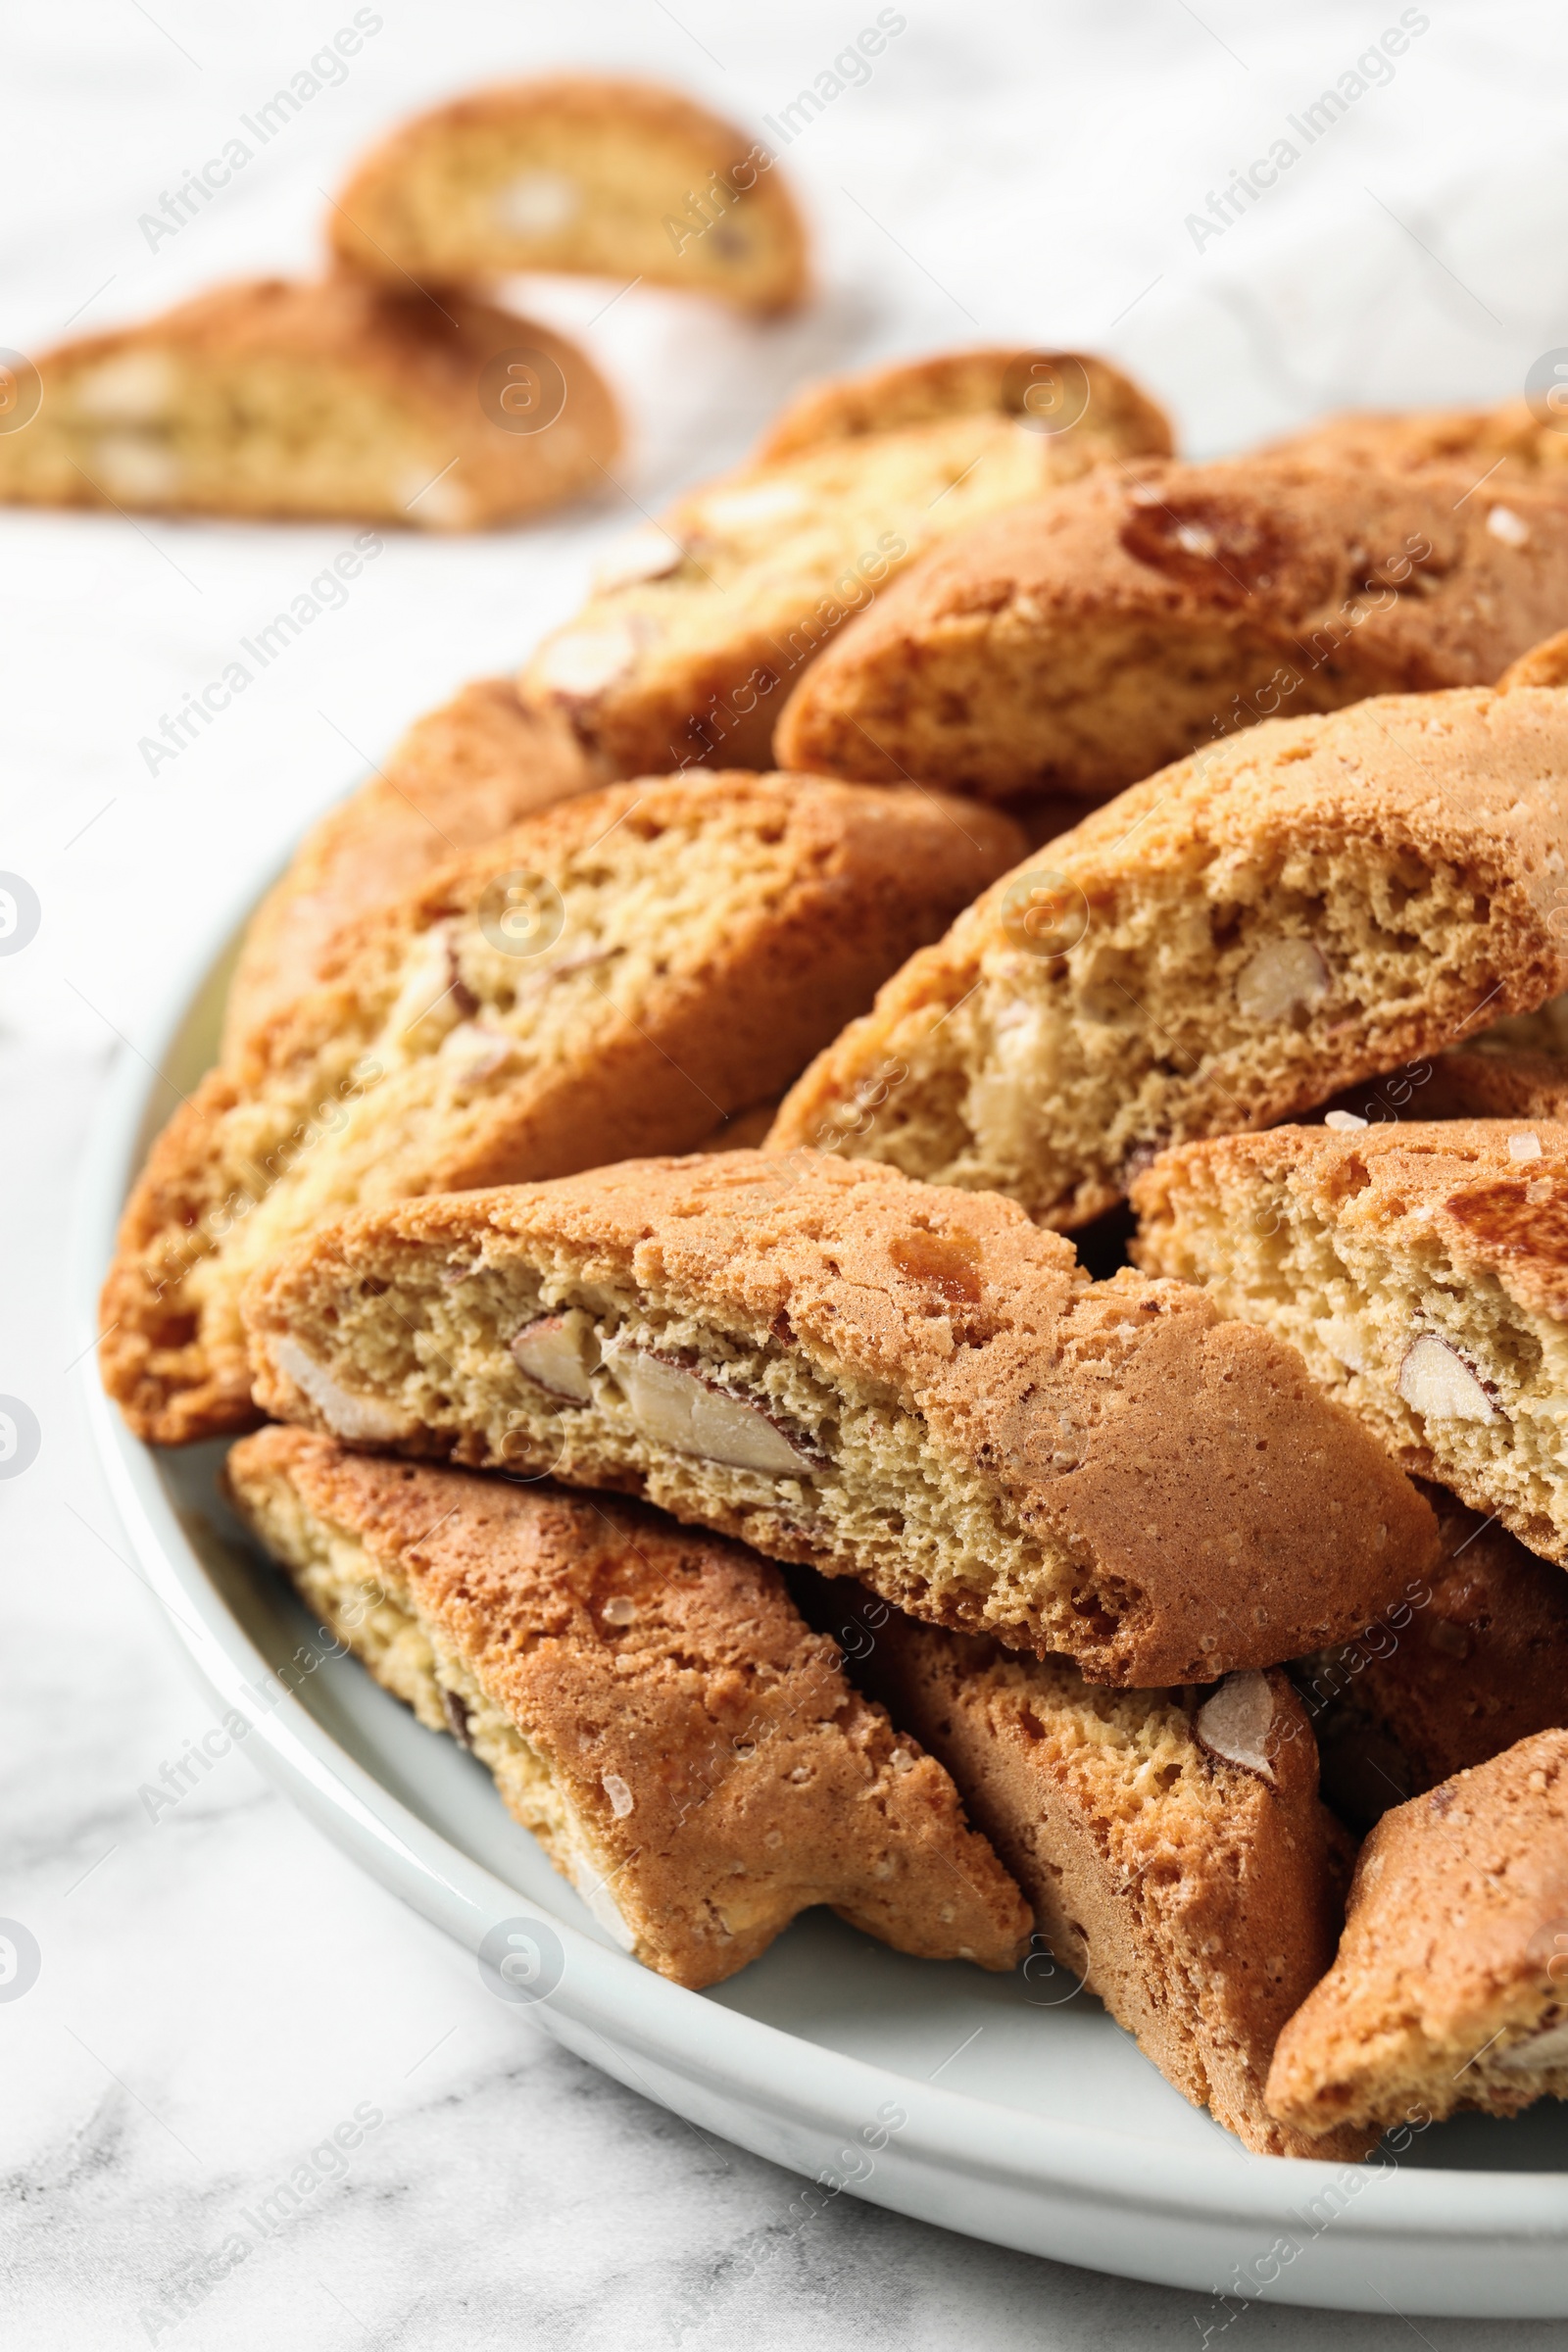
(628, 179)
(1405, 852)
(1473, 1660)
(709, 1771)
(1454, 1957)
(270, 397)
(1422, 1268)
(1109, 1470)
(1071, 392)
(463, 774)
(1196, 1896)
(1545, 664)
(686, 647)
(1410, 440)
(698, 939)
(1081, 643)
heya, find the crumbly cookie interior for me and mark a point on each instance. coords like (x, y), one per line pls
(1193, 1003)
(1355, 1308)
(873, 1496)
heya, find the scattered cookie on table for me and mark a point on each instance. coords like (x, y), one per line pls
(1076, 644)
(282, 400)
(700, 623)
(1172, 1842)
(1450, 1989)
(580, 174)
(611, 976)
(651, 1703)
(1231, 943)
(1421, 1269)
(877, 1378)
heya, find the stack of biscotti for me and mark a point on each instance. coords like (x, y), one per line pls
(1087, 1497)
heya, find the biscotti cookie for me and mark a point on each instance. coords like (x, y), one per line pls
(1230, 943)
(1172, 1842)
(653, 1709)
(1421, 1269)
(1450, 1989)
(1051, 392)
(1078, 644)
(701, 622)
(1474, 1658)
(1545, 664)
(613, 976)
(876, 1378)
(577, 174)
(461, 775)
(266, 398)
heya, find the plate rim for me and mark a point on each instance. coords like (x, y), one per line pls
(794, 2082)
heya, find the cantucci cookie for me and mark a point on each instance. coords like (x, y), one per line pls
(1450, 1989)
(1473, 1658)
(1172, 1842)
(877, 1378)
(1230, 943)
(614, 975)
(652, 1705)
(268, 398)
(461, 775)
(579, 174)
(1081, 643)
(701, 622)
(1421, 1269)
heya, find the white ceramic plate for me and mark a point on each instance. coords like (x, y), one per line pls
(1009, 2108)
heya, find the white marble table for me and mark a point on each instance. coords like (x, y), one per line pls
(218, 1989)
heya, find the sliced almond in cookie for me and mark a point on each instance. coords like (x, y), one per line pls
(653, 1709)
(1399, 1225)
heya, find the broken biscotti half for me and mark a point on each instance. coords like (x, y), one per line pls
(1078, 644)
(699, 622)
(1450, 1989)
(461, 775)
(613, 976)
(652, 1706)
(1224, 946)
(877, 1378)
(577, 174)
(268, 398)
(1471, 1659)
(1172, 1842)
(1421, 1269)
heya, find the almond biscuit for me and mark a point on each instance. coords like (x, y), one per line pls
(1421, 1269)
(1076, 645)
(1450, 1989)
(268, 398)
(1172, 1842)
(460, 775)
(1224, 946)
(611, 976)
(877, 1378)
(701, 621)
(579, 174)
(1496, 444)
(651, 1703)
